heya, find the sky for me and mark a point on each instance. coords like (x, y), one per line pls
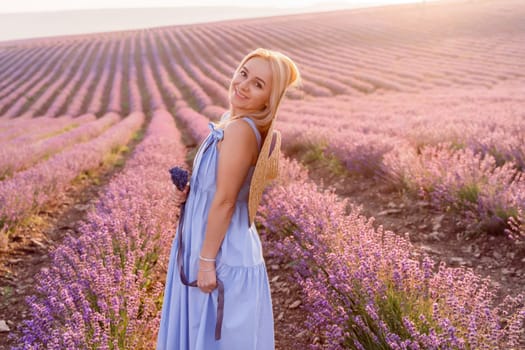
(18, 6)
(31, 19)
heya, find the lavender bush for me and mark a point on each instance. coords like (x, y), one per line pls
(469, 182)
(367, 288)
(28, 190)
(103, 289)
(18, 156)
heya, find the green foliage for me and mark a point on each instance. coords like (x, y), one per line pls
(370, 337)
(392, 306)
(506, 213)
(58, 132)
(457, 145)
(469, 193)
(400, 303)
(315, 155)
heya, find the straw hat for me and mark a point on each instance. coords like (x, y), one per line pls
(266, 169)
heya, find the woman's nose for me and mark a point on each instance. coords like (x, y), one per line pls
(243, 85)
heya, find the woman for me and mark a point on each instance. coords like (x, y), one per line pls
(217, 294)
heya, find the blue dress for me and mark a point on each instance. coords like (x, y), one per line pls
(189, 316)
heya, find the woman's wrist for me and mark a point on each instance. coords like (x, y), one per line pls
(206, 265)
(207, 270)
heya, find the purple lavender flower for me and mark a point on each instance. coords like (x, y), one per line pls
(179, 177)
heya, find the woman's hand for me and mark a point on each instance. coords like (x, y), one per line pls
(207, 276)
(183, 195)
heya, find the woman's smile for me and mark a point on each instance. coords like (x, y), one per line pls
(239, 94)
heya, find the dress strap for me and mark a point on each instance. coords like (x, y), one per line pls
(257, 133)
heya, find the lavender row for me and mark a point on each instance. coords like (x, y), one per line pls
(88, 81)
(49, 99)
(115, 85)
(464, 180)
(394, 62)
(365, 288)
(28, 190)
(479, 171)
(29, 84)
(166, 83)
(155, 95)
(39, 92)
(24, 63)
(487, 122)
(220, 71)
(205, 39)
(82, 78)
(12, 63)
(17, 156)
(103, 287)
(18, 85)
(75, 85)
(135, 100)
(195, 123)
(191, 90)
(217, 91)
(27, 130)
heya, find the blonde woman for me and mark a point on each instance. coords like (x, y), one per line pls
(217, 294)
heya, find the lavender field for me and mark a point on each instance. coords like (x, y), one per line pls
(422, 102)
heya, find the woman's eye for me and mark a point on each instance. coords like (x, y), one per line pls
(243, 73)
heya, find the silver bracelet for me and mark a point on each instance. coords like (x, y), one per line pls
(206, 259)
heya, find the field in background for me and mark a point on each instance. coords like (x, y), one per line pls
(426, 99)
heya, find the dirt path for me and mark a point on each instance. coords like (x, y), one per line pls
(288, 312)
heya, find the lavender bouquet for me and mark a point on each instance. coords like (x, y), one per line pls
(179, 177)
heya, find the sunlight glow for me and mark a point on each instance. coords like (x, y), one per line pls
(60, 5)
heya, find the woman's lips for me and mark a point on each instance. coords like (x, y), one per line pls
(239, 95)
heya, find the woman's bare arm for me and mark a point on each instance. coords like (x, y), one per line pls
(235, 157)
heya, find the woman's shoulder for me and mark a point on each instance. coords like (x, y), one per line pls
(240, 141)
(238, 127)
(241, 133)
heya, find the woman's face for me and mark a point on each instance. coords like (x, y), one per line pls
(251, 86)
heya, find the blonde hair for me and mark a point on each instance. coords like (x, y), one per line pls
(284, 75)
